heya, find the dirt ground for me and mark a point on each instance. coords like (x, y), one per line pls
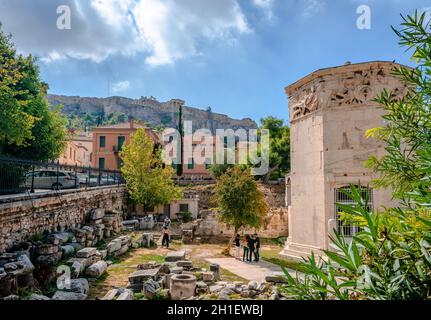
(118, 273)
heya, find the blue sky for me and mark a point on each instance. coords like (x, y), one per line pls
(233, 55)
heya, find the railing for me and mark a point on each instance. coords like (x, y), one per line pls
(19, 175)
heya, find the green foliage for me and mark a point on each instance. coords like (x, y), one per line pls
(279, 154)
(390, 259)
(28, 128)
(187, 216)
(148, 181)
(239, 200)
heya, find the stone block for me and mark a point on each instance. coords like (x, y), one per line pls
(97, 214)
(86, 252)
(186, 264)
(97, 269)
(140, 276)
(126, 295)
(208, 276)
(65, 295)
(110, 295)
(276, 277)
(46, 249)
(38, 297)
(175, 256)
(79, 286)
(114, 246)
(68, 251)
(177, 270)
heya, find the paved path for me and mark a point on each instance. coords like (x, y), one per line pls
(251, 271)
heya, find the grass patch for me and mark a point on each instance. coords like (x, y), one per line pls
(274, 257)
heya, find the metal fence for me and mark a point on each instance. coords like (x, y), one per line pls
(18, 176)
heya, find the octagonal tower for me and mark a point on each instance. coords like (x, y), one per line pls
(330, 111)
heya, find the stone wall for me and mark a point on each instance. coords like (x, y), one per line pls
(274, 193)
(209, 229)
(25, 216)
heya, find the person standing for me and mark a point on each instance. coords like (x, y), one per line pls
(256, 247)
(238, 247)
(165, 237)
(251, 248)
(245, 248)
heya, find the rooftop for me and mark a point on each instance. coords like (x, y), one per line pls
(348, 67)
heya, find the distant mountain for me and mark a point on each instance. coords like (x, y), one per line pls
(149, 110)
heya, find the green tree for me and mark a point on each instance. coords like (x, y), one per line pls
(279, 155)
(390, 259)
(27, 125)
(148, 181)
(15, 123)
(181, 131)
(240, 202)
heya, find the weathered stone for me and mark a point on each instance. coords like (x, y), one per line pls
(86, 253)
(215, 288)
(148, 265)
(187, 265)
(215, 268)
(182, 286)
(147, 239)
(103, 254)
(274, 296)
(126, 295)
(80, 286)
(252, 285)
(201, 288)
(38, 297)
(275, 277)
(97, 269)
(46, 249)
(141, 276)
(177, 270)
(60, 238)
(208, 276)
(166, 268)
(65, 295)
(150, 288)
(68, 251)
(114, 246)
(175, 256)
(97, 214)
(110, 295)
(49, 259)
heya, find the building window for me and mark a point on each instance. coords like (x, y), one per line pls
(121, 141)
(344, 229)
(102, 163)
(102, 141)
(191, 165)
(184, 208)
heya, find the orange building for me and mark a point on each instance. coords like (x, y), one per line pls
(70, 154)
(108, 141)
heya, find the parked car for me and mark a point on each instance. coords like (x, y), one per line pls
(47, 179)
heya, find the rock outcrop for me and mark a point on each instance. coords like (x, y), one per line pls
(150, 111)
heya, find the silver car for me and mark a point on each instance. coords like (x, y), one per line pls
(47, 179)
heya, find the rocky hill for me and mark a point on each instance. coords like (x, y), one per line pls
(148, 110)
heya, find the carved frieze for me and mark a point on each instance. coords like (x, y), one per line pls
(305, 103)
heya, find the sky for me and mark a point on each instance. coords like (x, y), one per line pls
(235, 56)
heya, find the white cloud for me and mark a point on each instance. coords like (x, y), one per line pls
(266, 5)
(164, 30)
(120, 86)
(312, 7)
